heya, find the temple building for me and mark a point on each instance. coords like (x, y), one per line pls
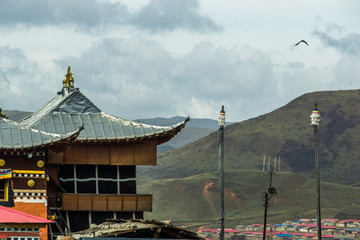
(95, 178)
(23, 173)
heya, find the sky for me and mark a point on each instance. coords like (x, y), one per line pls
(164, 58)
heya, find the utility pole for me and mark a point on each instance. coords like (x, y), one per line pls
(271, 191)
(221, 122)
(315, 121)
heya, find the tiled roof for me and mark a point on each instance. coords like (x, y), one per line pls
(70, 109)
(15, 136)
(101, 126)
(8, 215)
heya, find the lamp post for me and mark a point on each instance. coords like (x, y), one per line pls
(221, 122)
(271, 191)
(315, 121)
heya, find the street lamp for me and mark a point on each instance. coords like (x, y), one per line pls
(221, 122)
(315, 121)
(271, 191)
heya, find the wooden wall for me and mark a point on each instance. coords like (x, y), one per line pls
(105, 202)
(143, 153)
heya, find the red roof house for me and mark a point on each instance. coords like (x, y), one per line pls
(19, 224)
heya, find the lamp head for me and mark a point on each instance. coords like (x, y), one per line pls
(315, 116)
(221, 119)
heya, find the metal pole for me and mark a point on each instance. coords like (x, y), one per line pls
(315, 121)
(317, 183)
(266, 205)
(221, 179)
(265, 215)
(221, 122)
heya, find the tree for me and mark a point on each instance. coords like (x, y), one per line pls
(2, 115)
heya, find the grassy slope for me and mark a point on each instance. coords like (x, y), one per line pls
(285, 132)
(177, 182)
(195, 200)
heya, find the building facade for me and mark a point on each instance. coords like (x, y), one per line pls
(95, 178)
(23, 175)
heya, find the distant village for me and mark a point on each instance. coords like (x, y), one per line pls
(300, 229)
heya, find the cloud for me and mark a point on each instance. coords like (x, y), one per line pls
(125, 81)
(20, 77)
(82, 13)
(350, 44)
(164, 15)
(94, 16)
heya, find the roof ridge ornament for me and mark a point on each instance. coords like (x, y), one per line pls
(68, 82)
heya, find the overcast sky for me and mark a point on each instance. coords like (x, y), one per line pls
(162, 58)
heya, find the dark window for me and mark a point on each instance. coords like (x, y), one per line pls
(139, 215)
(68, 186)
(107, 171)
(100, 217)
(124, 215)
(127, 172)
(78, 221)
(85, 171)
(66, 171)
(128, 187)
(107, 187)
(86, 187)
(3, 190)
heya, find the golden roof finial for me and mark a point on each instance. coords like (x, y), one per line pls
(68, 82)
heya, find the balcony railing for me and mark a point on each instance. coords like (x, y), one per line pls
(106, 202)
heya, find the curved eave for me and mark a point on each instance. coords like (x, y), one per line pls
(19, 138)
(160, 137)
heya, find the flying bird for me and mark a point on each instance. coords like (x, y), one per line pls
(301, 42)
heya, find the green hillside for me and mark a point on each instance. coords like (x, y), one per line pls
(285, 132)
(179, 179)
(195, 200)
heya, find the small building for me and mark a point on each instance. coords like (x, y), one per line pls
(16, 225)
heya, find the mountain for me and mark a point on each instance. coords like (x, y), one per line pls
(194, 130)
(193, 123)
(285, 132)
(16, 115)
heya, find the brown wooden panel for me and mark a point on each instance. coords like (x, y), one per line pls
(84, 202)
(144, 203)
(106, 202)
(99, 154)
(115, 203)
(99, 202)
(145, 153)
(55, 158)
(69, 202)
(129, 203)
(122, 154)
(77, 154)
